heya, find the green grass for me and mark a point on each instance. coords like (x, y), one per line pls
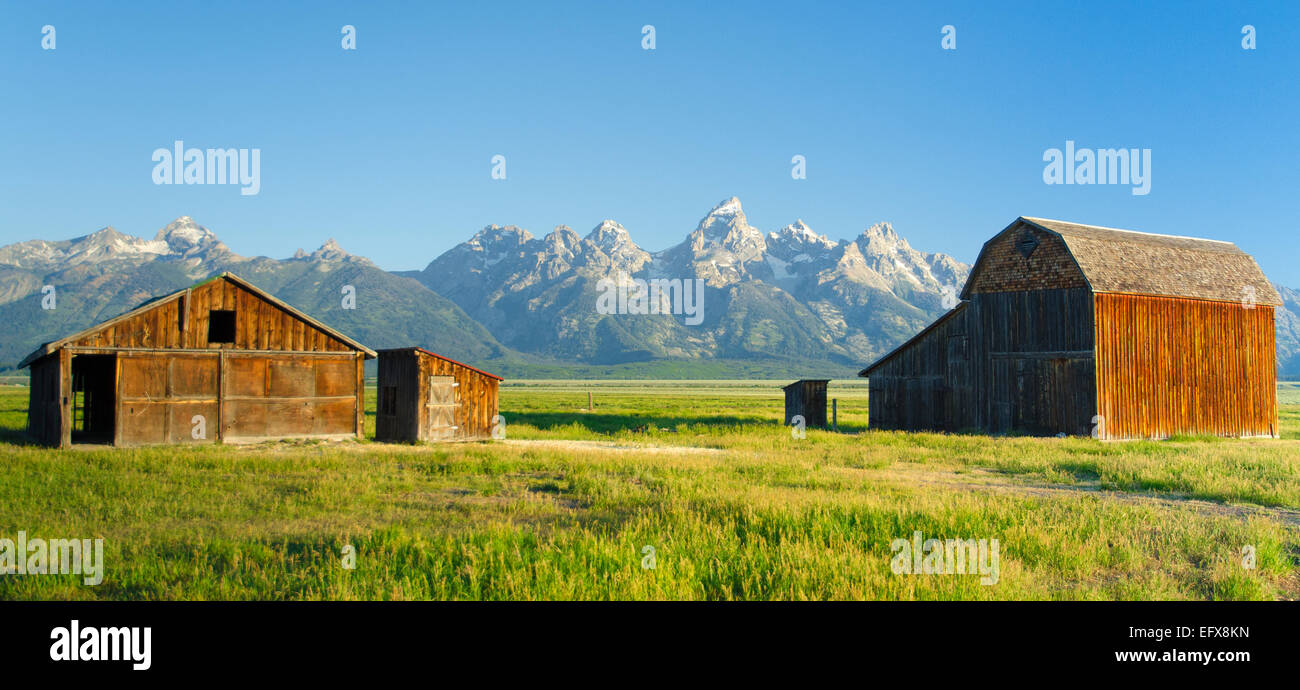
(734, 507)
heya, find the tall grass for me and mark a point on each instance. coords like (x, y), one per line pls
(760, 515)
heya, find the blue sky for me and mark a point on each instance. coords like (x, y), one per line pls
(388, 148)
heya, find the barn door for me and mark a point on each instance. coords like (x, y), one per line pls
(1042, 395)
(1016, 399)
(443, 402)
(1002, 385)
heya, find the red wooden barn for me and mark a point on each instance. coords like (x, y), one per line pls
(1081, 329)
(221, 360)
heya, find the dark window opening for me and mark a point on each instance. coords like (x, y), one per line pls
(1027, 243)
(94, 398)
(221, 326)
(388, 400)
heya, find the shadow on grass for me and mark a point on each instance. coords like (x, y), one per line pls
(612, 423)
(17, 437)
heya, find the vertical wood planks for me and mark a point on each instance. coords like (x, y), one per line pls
(1171, 366)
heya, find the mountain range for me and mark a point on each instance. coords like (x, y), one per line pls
(789, 302)
(103, 274)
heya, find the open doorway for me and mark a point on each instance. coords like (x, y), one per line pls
(94, 398)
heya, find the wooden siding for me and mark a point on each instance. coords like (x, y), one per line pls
(1033, 369)
(160, 394)
(926, 385)
(182, 322)
(1171, 365)
(44, 405)
(240, 396)
(1008, 362)
(408, 374)
(288, 396)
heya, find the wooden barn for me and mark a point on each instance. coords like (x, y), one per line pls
(806, 398)
(1076, 329)
(218, 361)
(424, 396)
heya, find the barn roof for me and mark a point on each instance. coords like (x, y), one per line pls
(1140, 263)
(443, 358)
(54, 345)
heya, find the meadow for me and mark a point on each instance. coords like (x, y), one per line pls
(698, 474)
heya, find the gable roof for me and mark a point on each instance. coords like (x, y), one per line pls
(444, 358)
(1140, 263)
(54, 345)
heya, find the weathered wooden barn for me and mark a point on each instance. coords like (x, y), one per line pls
(424, 396)
(221, 360)
(1088, 330)
(806, 398)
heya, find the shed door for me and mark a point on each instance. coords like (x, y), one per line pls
(443, 401)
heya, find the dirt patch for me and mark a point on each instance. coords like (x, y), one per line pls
(983, 479)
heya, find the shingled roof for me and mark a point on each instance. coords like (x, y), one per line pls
(1131, 262)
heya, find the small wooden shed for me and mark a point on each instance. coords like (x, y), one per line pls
(424, 396)
(221, 360)
(806, 398)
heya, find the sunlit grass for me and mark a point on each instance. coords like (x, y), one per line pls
(761, 515)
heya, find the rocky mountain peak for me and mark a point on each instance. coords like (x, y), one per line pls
(882, 239)
(183, 235)
(722, 219)
(799, 233)
(562, 242)
(609, 235)
(613, 239)
(492, 235)
(727, 228)
(563, 234)
(330, 251)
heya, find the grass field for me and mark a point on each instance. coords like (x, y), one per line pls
(733, 506)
